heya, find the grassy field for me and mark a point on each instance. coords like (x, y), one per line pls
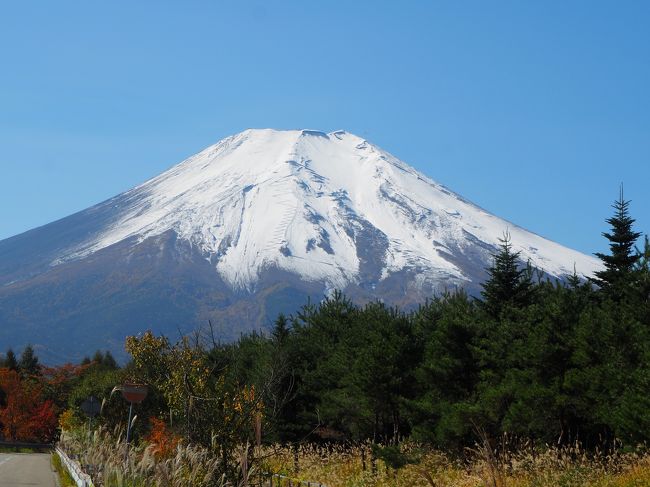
(357, 466)
(567, 467)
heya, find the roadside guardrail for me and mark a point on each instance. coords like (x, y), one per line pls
(80, 478)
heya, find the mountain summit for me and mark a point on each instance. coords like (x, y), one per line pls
(248, 227)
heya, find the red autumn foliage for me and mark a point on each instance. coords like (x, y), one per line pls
(56, 376)
(25, 416)
(59, 381)
(43, 422)
(163, 440)
(14, 416)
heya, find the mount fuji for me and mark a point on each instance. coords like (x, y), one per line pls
(251, 226)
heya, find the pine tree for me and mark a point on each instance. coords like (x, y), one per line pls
(10, 361)
(98, 358)
(508, 284)
(109, 361)
(28, 364)
(280, 329)
(617, 276)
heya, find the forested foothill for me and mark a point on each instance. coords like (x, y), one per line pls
(529, 363)
(549, 361)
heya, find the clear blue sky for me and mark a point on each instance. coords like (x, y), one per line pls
(536, 111)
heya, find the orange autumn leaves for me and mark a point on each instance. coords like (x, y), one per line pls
(25, 415)
(163, 441)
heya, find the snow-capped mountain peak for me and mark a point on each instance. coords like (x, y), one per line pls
(323, 206)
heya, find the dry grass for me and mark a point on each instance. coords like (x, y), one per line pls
(105, 456)
(338, 466)
(529, 467)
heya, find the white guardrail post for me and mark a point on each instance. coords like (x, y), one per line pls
(80, 478)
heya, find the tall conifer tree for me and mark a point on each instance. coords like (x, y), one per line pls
(28, 364)
(619, 264)
(508, 284)
(10, 361)
(280, 329)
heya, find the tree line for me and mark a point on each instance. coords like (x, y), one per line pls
(537, 358)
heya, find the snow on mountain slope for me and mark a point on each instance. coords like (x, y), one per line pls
(303, 201)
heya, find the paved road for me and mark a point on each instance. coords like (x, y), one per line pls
(33, 469)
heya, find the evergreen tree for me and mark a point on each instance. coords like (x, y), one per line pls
(101, 360)
(280, 329)
(381, 354)
(98, 358)
(109, 361)
(10, 361)
(446, 374)
(617, 277)
(508, 284)
(28, 364)
(318, 358)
